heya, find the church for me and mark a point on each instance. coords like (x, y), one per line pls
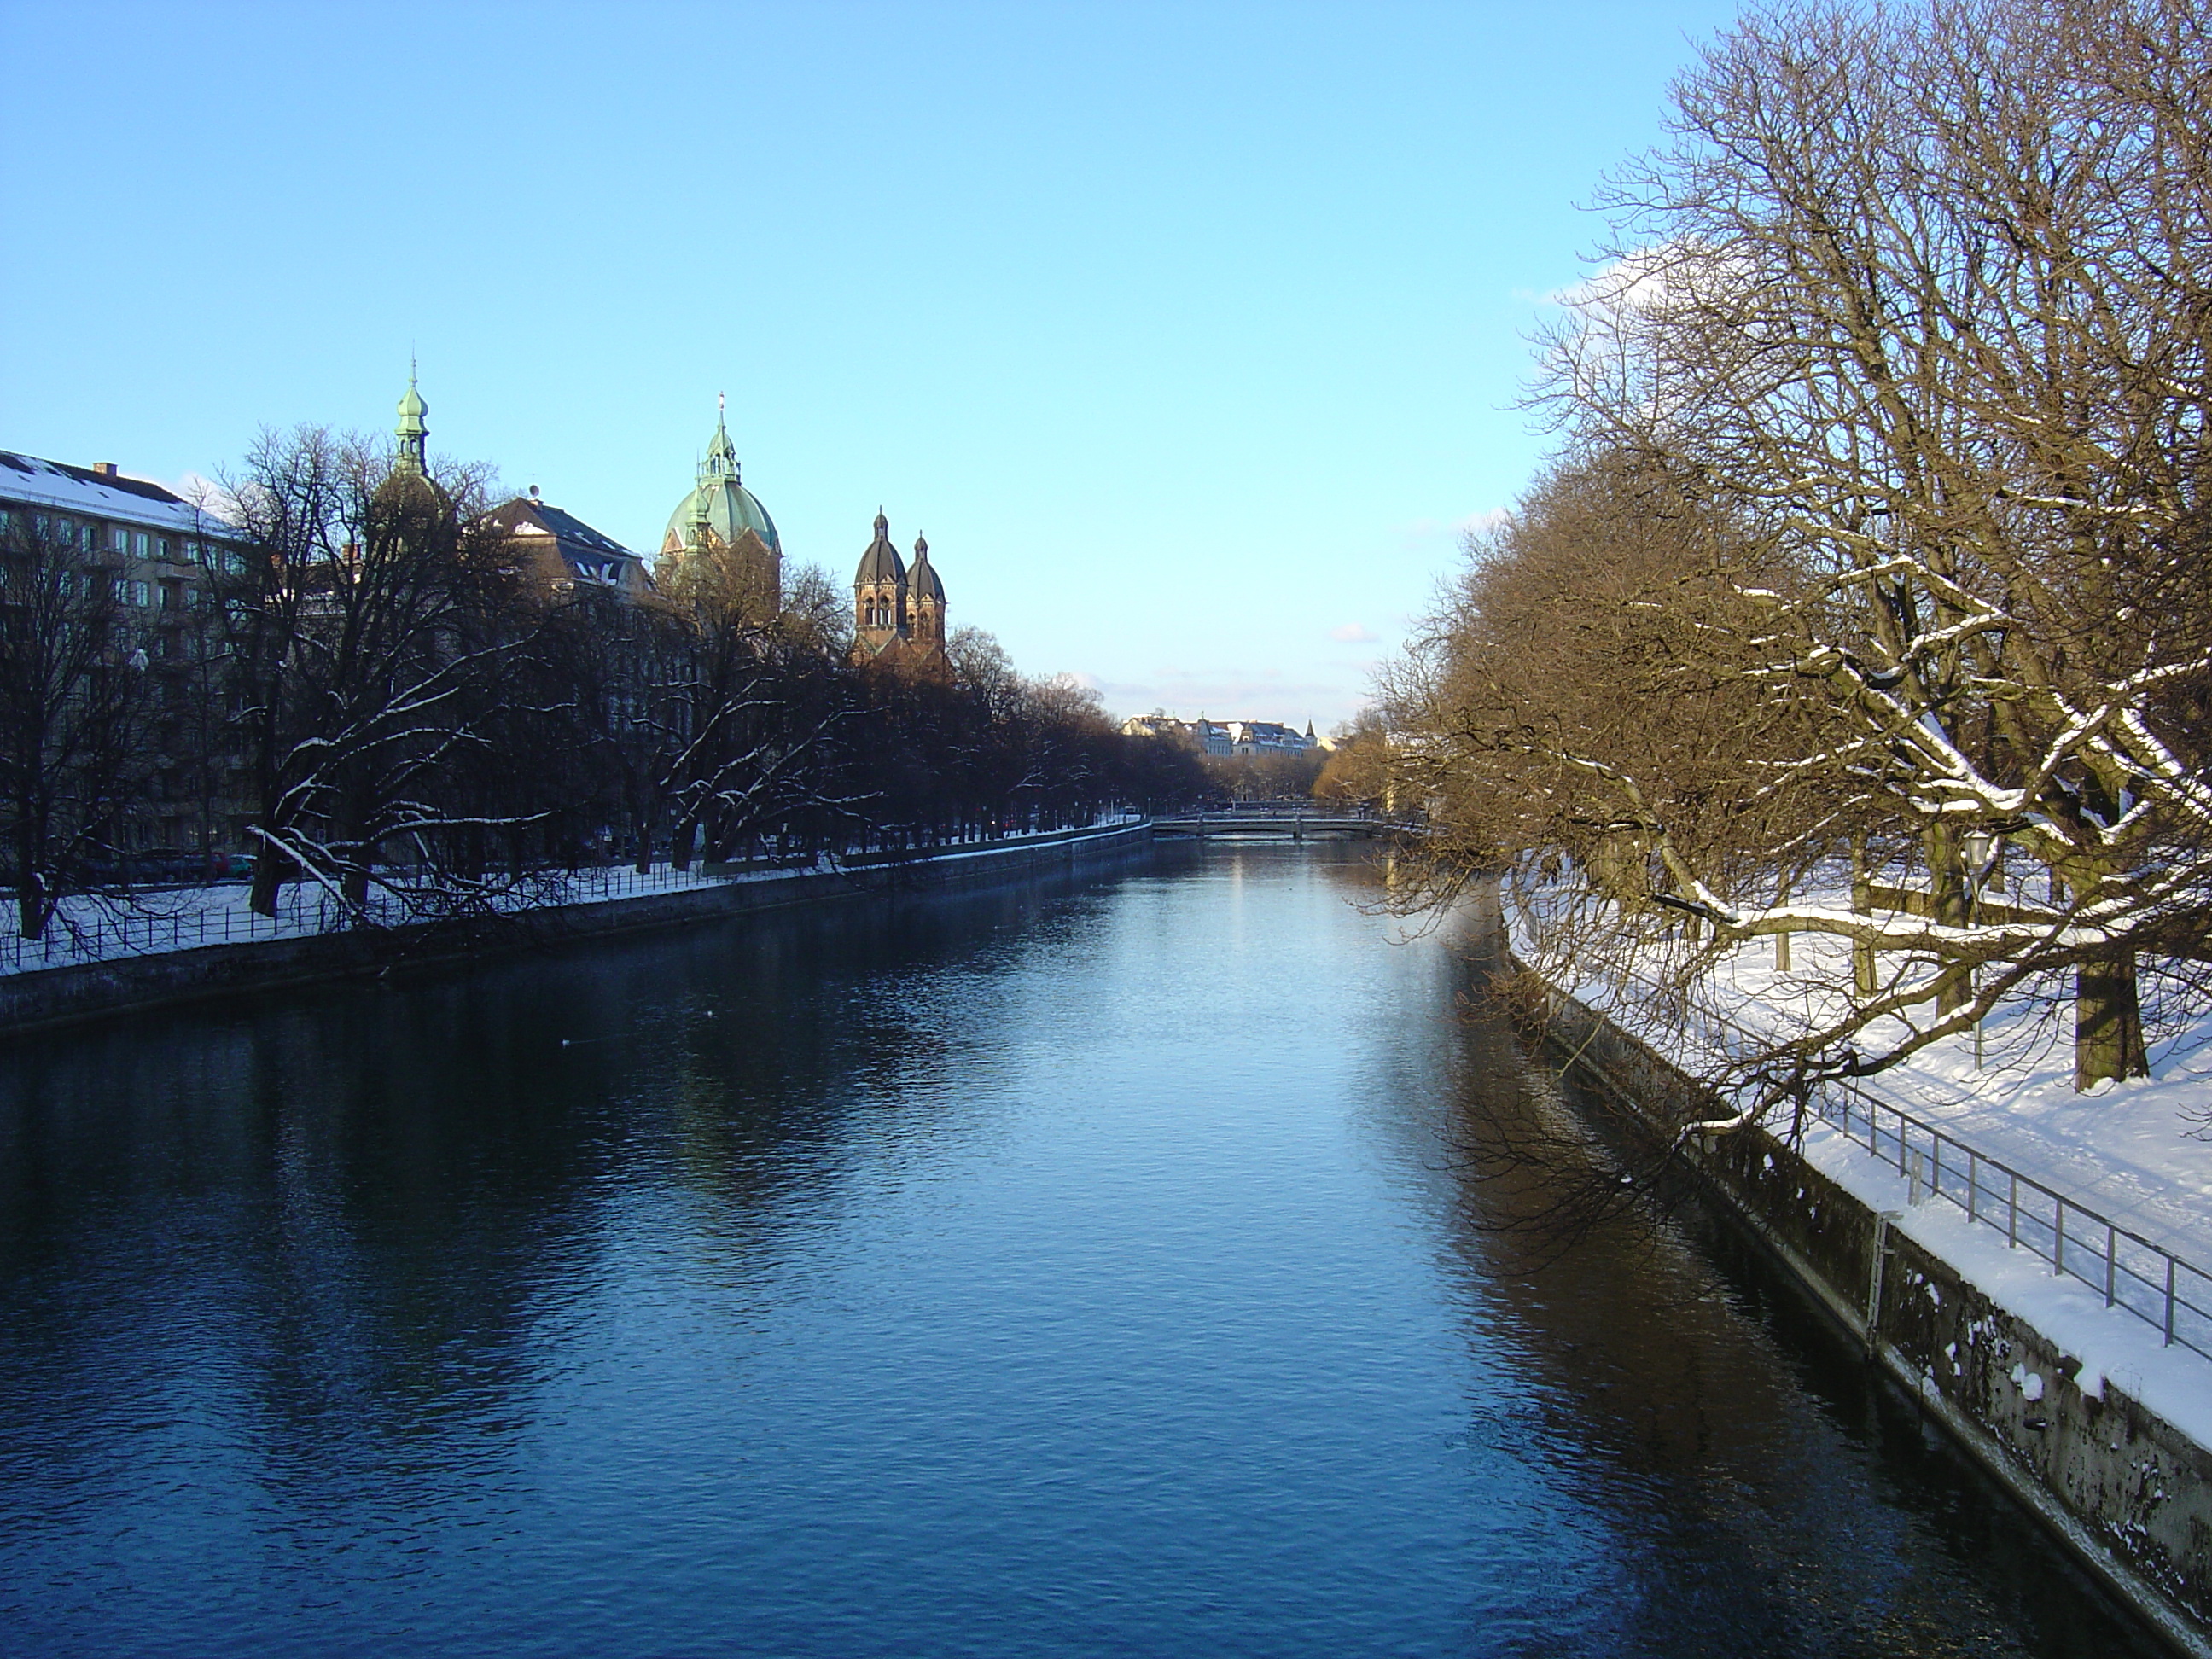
(723, 521)
(898, 609)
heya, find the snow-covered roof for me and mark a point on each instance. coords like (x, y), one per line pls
(526, 515)
(102, 495)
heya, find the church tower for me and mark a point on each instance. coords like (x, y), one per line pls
(925, 600)
(879, 594)
(898, 611)
(722, 521)
(413, 431)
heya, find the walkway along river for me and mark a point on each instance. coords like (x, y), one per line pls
(1087, 1267)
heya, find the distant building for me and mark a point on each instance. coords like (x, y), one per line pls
(157, 549)
(720, 515)
(146, 533)
(566, 553)
(1226, 738)
(898, 612)
(1249, 738)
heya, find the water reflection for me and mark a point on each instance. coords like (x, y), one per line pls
(1087, 1267)
(1765, 1491)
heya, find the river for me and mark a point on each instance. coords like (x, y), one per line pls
(1091, 1266)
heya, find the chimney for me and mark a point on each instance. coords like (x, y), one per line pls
(105, 469)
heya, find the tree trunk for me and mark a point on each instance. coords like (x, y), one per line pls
(1862, 904)
(1946, 905)
(272, 869)
(2108, 1038)
(32, 907)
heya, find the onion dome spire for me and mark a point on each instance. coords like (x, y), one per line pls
(412, 432)
(922, 580)
(721, 454)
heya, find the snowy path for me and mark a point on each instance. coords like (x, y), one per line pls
(2139, 1154)
(90, 929)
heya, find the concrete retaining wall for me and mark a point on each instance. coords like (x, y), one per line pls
(2127, 1491)
(104, 990)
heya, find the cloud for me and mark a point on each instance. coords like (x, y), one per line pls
(1433, 536)
(1354, 634)
(1638, 281)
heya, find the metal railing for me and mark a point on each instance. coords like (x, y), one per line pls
(78, 936)
(2166, 1291)
(2173, 1295)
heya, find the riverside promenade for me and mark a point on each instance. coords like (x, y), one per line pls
(2071, 1355)
(102, 960)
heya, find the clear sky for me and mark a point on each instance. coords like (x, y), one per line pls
(1189, 333)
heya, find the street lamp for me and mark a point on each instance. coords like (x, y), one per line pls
(1979, 845)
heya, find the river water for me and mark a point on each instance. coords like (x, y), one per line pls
(1089, 1266)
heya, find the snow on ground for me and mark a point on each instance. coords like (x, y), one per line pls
(2138, 1153)
(92, 929)
(148, 923)
(2111, 1344)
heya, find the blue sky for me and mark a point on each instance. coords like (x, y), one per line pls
(1189, 333)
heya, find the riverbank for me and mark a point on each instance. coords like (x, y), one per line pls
(50, 998)
(2119, 1470)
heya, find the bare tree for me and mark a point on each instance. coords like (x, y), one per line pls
(75, 708)
(364, 625)
(1911, 314)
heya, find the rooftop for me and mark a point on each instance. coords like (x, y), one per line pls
(100, 495)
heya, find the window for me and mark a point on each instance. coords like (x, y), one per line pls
(85, 536)
(118, 539)
(144, 542)
(140, 594)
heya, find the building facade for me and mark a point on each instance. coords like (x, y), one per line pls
(898, 609)
(723, 522)
(152, 550)
(1226, 738)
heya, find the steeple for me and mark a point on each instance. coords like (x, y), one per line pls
(925, 597)
(412, 433)
(721, 454)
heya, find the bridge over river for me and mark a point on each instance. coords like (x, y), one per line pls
(1296, 819)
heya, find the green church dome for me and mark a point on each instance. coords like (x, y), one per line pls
(731, 508)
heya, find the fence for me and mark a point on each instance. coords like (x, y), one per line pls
(86, 932)
(2148, 1280)
(2169, 1294)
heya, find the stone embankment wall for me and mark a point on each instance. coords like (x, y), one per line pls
(103, 990)
(2129, 1494)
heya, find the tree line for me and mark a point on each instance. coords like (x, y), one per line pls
(368, 690)
(1867, 599)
